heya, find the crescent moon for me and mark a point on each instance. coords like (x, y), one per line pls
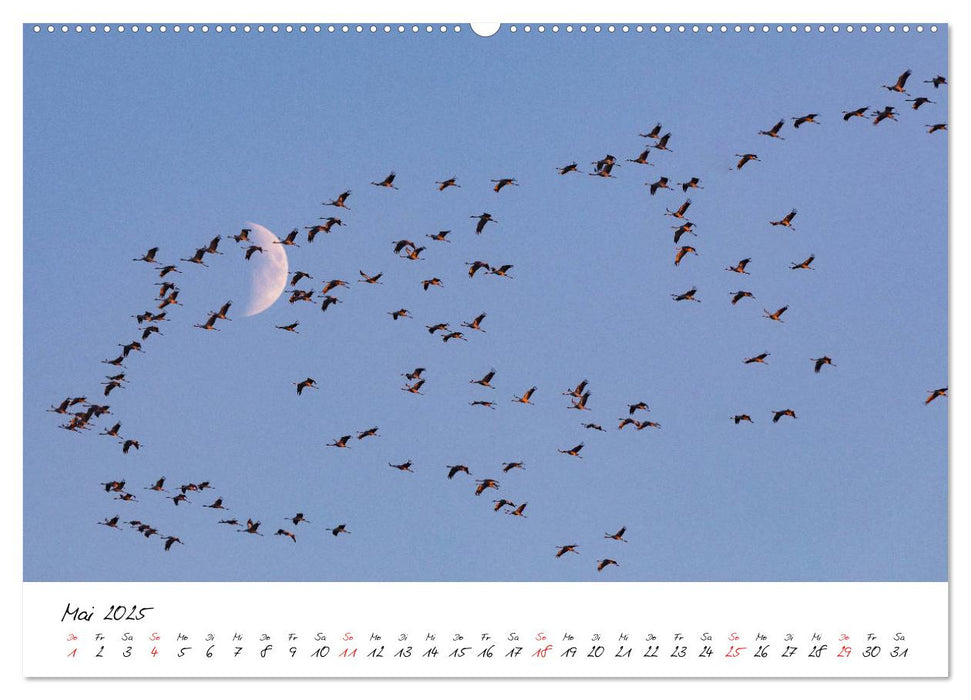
(268, 271)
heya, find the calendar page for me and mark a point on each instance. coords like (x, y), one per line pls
(438, 350)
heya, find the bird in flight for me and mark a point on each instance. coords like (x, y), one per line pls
(775, 315)
(804, 265)
(341, 442)
(386, 182)
(641, 159)
(403, 467)
(454, 469)
(370, 432)
(885, 113)
(920, 102)
(661, 184)
(440, 236)
(503, 182)
(290, 240)
(286, 533)
(573, 451)
(253, 249)
(934, 394)
(935, 127)
(654, 133)
(774, 131)
(483, 218)
(686, 227)
(604, 563)
(525, 397)
(368, 279)
(342, 528)
(740, 417)
(149, 257)
(243, 235)
(433, 282)
(487, 404)
(485, 380)
(341, 201)
(476, 323)
(562, 549)
(899, 85)
(576, 391)
(776, 415)
(858, 112)
(739, 295)
(687, 296)
(619, 535)
(292, 327)
(593, 426)
(476, 266)
(413, 388)
(744, 158)
(937, 81)
(807, 119)
(308, 382)
(820, 361)
(757, 359)
(519, 510)
(447, 183)
(571, 168)
(484, 484)
(786, 220)
(691, 184)
(682, 251)
(679, 213)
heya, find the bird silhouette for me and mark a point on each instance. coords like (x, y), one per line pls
(454, 469)
(619, 535)
(483, 218)
(739, 295)
(573, 451)
(744, 158)
(341, 200)
(774, 131)
(686, 296)
(525, 397)
(308, 382)
(503, 182)
(786, 220)
(807, 119)
(386, 182)
(899, 85)
(340, 442)
(820, 361)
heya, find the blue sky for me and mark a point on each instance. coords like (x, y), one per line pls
(133, 141)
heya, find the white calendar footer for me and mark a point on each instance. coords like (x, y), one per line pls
(485, 629)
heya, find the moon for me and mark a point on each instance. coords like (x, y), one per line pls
(268, 271)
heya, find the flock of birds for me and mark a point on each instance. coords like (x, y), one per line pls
(80, 412)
